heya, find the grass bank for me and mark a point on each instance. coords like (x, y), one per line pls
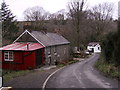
(9, 75)
(108, 69)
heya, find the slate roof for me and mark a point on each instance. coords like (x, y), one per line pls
(93, 44)
(49, 39)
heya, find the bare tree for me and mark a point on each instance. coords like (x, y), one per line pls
(100, 17)
(34, 14)
(37, 15)
(57, 21)
(75, 12)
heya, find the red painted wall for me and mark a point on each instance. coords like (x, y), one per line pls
(30, 59)
(22, 60)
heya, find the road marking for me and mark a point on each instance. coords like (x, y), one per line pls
(80, 80)
(78, 77)
(6, 88)
(44, 84)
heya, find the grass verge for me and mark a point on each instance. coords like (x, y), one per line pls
(108, 69)
(13, 74)
(71, 61)
(64, 63)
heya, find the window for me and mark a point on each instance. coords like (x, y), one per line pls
(8, 56)
(98, 48)
(64, 50)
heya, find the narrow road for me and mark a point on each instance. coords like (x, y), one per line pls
(81, 75)
(34, 79)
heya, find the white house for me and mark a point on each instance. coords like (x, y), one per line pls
(94, 47)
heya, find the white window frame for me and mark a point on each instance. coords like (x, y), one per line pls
(7, 53)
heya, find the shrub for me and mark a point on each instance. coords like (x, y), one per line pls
(111, 48)
(108, 69)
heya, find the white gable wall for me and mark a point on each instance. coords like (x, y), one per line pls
(89, 48)
(96, 49)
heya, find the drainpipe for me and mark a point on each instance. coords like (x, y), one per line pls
(27, 46)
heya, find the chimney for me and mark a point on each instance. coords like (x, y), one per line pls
(27, 25)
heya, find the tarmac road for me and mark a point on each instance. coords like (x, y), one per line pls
(81, 75)
(34, 79)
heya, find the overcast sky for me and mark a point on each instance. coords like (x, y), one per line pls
(19, 6)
